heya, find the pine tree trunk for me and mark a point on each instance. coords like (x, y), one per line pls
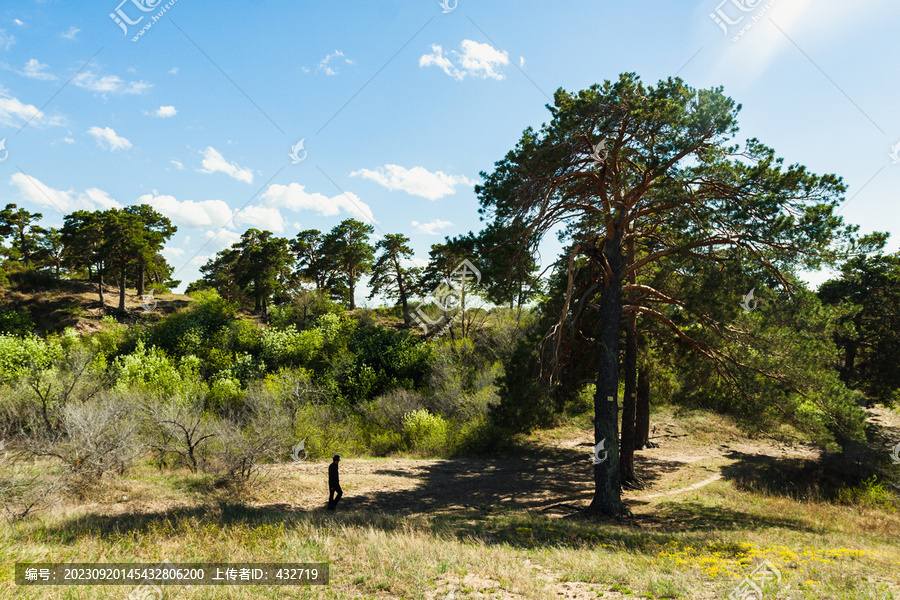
(626, 465)
(642, 418)
(100, 285)
(607, 486)
(140, 280)
(352, 292)
(122, 290)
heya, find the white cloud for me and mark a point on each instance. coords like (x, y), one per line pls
(178, 164)
(260, 217)
(477, 60)
(71, 33)
(187, 213)
(35, 70)
(219, 240)
(12, 110)
(173, 71)
(18, 22)
(112, 84)
(417, 181)
(32, 190)
(6, 39)
(326, 67)
(213, 161)
(295, 197)
(68, 140)
(107, 136)
(166, 111)
(522, 61)
(431, 227)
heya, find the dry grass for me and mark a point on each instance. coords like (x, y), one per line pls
(502, 528)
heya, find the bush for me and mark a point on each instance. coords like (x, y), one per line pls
(152, 370)
(291, 348)
(96, 436)
(19, 355)
(425, 432)
(14, 322)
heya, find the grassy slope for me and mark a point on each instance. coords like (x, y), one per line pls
(500, 527)
(57, 304)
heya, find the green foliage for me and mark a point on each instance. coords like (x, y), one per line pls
(19, 355)
(15, 322)
(291, 348)
(870, 493)
(150, 369)
(381, 360)
(425, 432)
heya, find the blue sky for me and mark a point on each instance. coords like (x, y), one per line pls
(401, 104)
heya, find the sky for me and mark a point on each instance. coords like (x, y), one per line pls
(293, 115)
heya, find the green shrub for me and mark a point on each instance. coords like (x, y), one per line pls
(425, 432)
(384, 443)
(291, 348)
(870, 493)
(151, 369)
(15, 322)
(19, 355)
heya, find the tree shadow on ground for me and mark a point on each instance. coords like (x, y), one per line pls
(504, 500)
(801, 479)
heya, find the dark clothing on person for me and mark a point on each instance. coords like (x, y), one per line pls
(334, 486)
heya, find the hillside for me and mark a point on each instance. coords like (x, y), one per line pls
(55, 304)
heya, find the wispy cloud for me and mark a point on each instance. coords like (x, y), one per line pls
(14, 112)
(6, 39)
(417, 181)
(477, 60)
(107, 137)
(36, 70)
(33, 190)
(71, 33)
(431, 227)
(327, 64)
(213, 162)
(109, 84)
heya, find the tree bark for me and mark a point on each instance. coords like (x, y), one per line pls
(642, 417)
(140, 280)
(626, 464)
(100, 285)
(607, 486)
(352, 292)
(626, 446)
(122, 290)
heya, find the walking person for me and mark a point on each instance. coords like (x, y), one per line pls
(334, 484)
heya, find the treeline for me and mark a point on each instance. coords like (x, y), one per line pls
(262, 269)
(119, 245)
